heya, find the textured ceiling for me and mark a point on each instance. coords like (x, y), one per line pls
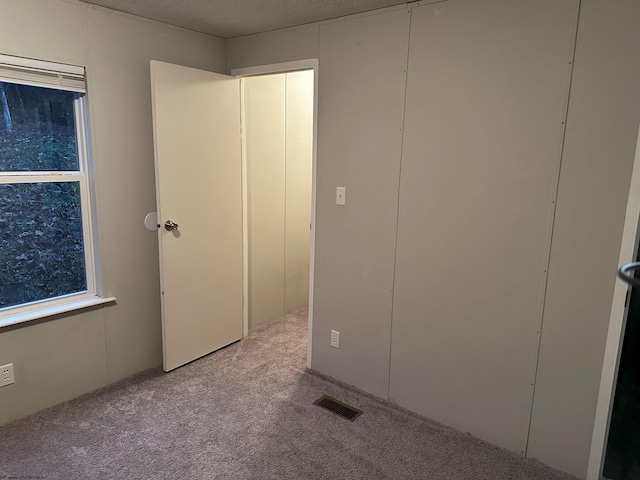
(234, 18)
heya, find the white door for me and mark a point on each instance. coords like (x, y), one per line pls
(196, 124)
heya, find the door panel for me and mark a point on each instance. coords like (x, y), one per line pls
(198, 183)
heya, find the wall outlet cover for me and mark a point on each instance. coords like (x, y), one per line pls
(6, 375)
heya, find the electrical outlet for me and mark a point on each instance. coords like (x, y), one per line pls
(6, 375)
(335, 339)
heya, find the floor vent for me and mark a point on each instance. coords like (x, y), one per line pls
(339, 408)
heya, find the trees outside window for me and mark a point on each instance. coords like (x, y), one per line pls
(46, 250)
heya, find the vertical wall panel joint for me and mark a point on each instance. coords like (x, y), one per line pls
(395, 253)
(554, 202)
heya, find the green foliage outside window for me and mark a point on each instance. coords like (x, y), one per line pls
(41, 234)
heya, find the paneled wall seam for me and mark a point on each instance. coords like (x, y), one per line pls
(496, 179)
(550, 244)
(101, 278)
(362, 63)
(94, 167)
(395, 252)
(320, 23)
(284, 205)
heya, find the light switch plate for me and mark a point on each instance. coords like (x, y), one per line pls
(341, 195)
(335, 339)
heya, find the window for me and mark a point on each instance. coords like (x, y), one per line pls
(46, 241)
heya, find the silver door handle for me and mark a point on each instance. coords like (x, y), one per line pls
(626, 273)
(170, 226)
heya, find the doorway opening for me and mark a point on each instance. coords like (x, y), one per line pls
(278, 134)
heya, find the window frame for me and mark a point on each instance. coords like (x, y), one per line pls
(14, 314)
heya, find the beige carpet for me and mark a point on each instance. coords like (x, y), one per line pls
(245, 412)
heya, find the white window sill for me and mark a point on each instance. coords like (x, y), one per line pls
(54, 310)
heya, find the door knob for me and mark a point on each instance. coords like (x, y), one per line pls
(626, 273)
(170, 226)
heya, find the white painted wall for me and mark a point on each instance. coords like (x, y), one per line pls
(361, 118)
(362, 75)
(66, 356)
(600, 141)
(362, 62)
(298, 172)
(485, 107)
(278, 120)
(264, 127)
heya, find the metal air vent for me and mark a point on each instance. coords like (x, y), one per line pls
(341, 409)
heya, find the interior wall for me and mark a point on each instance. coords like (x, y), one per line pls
(298, 43)
(360, 148)
(486, 101)
(264, 121)
(602, 126)
(299, 93)
(600, 141)
(62, 357)
(278, 113)
(362, 78)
